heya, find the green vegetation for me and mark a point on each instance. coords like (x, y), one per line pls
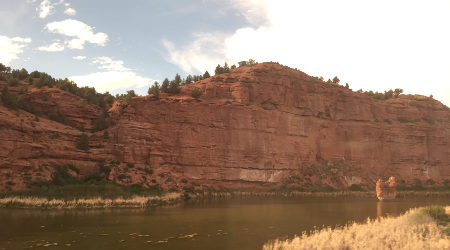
(428, 120)
(64, 185)
(56, 116)
(100, 123)
(154, 90)
(19, 74)
(196, 92)
(355, 187)
(174, 85)
(83, 142)
(250, 62)
(206, 75)
(222, 69)
(403, 119)
(382, 96)
(9, 100)
(13, 82)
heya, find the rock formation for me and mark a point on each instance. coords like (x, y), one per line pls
(256, 127)
(386, 190)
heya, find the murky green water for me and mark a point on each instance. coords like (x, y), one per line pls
(227, 224)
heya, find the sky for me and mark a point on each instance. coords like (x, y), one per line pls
(116, 45)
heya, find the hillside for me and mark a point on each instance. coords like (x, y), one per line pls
(259, 127)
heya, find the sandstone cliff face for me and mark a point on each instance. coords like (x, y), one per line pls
(258, 126)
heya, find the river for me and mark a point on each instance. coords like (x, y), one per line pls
(219, 224)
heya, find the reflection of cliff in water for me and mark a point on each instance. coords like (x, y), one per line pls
(389, 208)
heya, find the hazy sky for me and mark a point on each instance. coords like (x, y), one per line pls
(115, 45)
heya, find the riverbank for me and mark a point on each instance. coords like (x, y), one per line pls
(422, 228)
(133, 202)
(138, 199)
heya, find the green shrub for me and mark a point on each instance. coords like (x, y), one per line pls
(54, 135)
(35, 74)
(196, 92)
(121, 177)
(429, 120)
(99, 124)
(154, 90)
(355, 187)
(73, 168)
(56, 116)
(130, 165)
(83, 142)
(9, 100)
(19, 74)
(61, 176)
(403, 119)
(13, 82)
(430, 182)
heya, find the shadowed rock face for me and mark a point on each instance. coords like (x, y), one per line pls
(386, 190)
(256, 127)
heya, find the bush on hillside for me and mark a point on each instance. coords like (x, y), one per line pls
(196, 92)
(83, 142)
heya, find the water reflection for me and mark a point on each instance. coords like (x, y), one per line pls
(379, 209)
(225, 224)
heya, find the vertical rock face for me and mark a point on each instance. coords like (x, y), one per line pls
(386, 190)
(260, 126)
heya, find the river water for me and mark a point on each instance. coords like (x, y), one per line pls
(223, 224)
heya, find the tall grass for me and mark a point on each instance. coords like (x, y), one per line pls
(98, 202)
(416, 229)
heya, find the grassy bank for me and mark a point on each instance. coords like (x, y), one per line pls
(132, 202)
(97, 194)
(423, 228)
(330, 194)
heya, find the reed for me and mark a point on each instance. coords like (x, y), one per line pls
(415, 229)
(98, 202)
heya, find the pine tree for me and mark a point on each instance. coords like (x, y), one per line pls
(226, 69)
(177, 79)
(219, 70)
(154, 90)
(165, 85)
(188, 79)
(206, 75)
(336, 80)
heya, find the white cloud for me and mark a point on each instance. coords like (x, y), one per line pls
(115, 77)
(110, 64)
(80, 32)
(54, 47)
(11, 47)
(45, 8)
(79, 58)
(374, 45)
(192, 57)
(70, 11)
(111, 80)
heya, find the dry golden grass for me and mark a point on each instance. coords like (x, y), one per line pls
(413, 230)
(136, 201)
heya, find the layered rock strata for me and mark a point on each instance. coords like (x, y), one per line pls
(255, 127)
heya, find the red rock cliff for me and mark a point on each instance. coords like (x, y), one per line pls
(258, 126)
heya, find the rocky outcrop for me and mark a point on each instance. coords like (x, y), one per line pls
(255, 127)
(386, 190)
